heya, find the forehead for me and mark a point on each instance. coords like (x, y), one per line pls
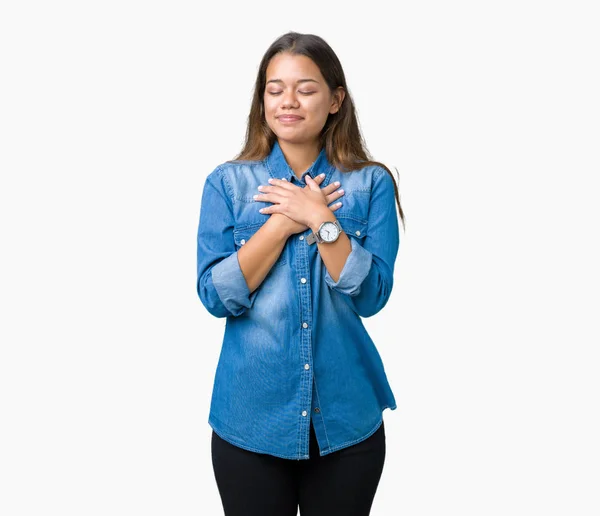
(289, 68)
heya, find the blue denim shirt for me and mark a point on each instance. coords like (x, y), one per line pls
(295, 350)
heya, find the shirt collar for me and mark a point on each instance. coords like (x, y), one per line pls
(279, 168)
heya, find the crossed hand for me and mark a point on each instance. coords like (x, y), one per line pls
(298, 204)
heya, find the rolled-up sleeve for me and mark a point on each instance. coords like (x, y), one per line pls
(220, 283)
(354, 272)
(367, 278)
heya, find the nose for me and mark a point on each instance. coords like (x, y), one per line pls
(289, 100)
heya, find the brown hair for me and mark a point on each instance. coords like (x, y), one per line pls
(344, 145)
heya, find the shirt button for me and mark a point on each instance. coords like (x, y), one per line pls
(358, 233)
(242, 241)
(304, 413)
(317, 410)
(305, 325)
(301, 237)
(303, 280)
(306, 366)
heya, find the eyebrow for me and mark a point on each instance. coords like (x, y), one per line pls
(297, 82)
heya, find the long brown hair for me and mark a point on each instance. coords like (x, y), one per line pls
(344, 145)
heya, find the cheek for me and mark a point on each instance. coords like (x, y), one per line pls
(319, 112)
(269, 115)
(269, 105)
(318, 108)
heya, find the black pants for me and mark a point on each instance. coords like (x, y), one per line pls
(342, 483)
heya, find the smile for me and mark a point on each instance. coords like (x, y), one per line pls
(289, 119)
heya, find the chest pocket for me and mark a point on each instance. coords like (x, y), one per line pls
(241, 235)
(354, 228)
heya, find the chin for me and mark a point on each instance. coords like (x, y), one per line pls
(291, 137)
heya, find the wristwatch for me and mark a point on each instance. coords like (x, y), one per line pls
(328, 232)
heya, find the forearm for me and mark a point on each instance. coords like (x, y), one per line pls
(367, 277)
(259, 253)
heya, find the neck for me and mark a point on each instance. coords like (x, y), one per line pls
(300, 156)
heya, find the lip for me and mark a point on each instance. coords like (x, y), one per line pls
(287, 119)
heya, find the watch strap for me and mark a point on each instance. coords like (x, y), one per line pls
(312, 238)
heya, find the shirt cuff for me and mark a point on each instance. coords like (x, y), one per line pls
(354, 272)
(231, 286)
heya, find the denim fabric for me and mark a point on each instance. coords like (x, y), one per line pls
(296, 348)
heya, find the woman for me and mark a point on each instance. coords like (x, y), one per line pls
(300, 388)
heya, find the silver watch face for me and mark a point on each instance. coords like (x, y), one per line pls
(329, 232)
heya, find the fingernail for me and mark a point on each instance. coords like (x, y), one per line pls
(255, 196)
(261, 210)
(338, 203)
(341, 190)
(270, 180)
(322, 175)
(337, 183)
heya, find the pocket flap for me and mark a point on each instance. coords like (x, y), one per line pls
(353, 227)
(242, 234)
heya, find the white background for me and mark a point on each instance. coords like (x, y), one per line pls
(111, 116)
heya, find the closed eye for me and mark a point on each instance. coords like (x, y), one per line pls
(275, 93)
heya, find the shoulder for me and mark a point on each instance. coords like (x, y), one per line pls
(382, 178)
(228, 174)
(232, 168)
(364, 179)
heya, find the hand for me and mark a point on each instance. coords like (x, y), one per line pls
(298, 203)
(292, 227)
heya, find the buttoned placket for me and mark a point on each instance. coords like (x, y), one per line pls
(302, 277)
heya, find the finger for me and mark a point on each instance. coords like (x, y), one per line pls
(268, 210)
(335, 206)
(335, 195)
(282, 183)
(311, 183)
(330, 188)
(319, 179)
(269, 197)
(273, 190)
